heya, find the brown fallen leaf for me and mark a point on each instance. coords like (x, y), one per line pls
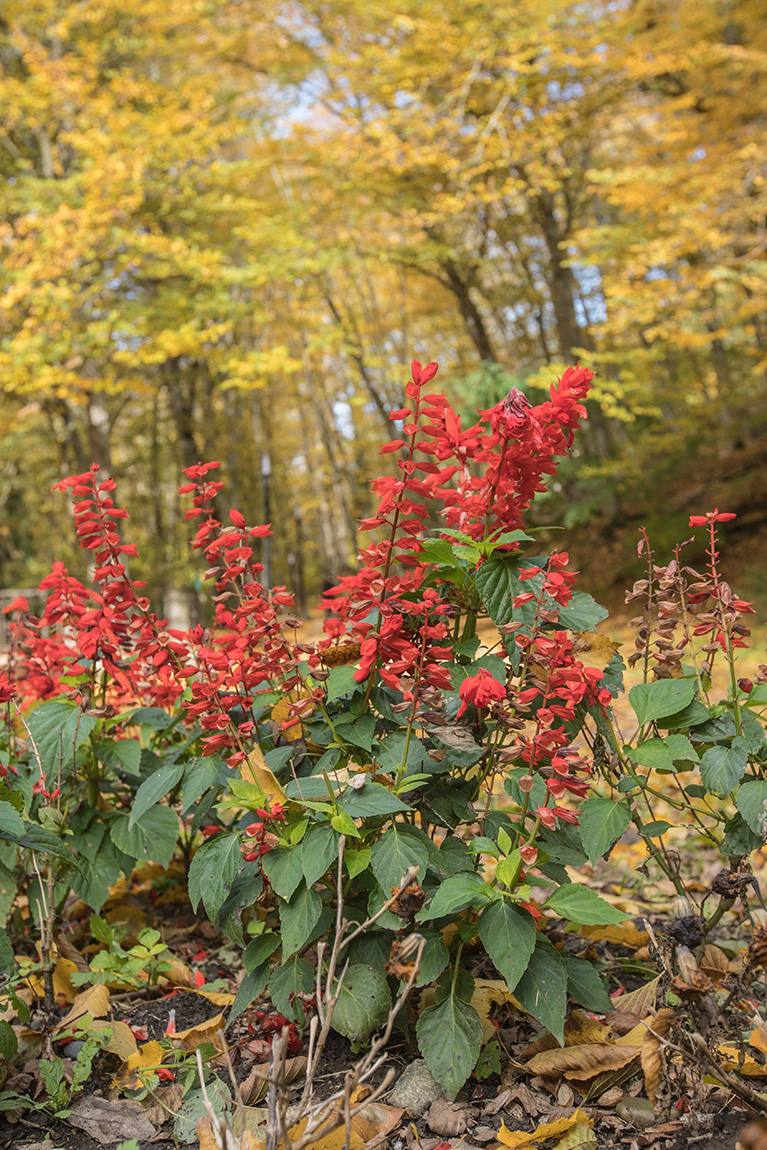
(67, 950)
(622, 1021)
(640, 1001)
(594, 649)
(255, 1087)
(714, 963)
(626, 934)
(207, 1141)
(93, 1001)
(754, 1135)
(207, 1031)
(582, 1062)
(374, 1122)
(447, 1118)
(165, 1098)
(651, 1051)
(110, 1122)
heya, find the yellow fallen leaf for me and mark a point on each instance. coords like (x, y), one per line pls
(217, 997)
(178, 973)
(281, 713)
(93, 1001)
(255, 770)
(730, 1059)
(117, 1038)
(372, 1122)
(489, 992)
(594, 649)
(207, 1031)
(148, 1056)
(579, 1138)
(758, 1039)
(63, 987)
(514, 1138)
(625, 934)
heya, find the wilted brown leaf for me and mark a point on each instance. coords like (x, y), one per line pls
(582, 1062)
(110, 1122)
(447, 1118)
(593, 649)
(640, 1001)
(714, 963)
(255, 1087)
(207, 1031)
(652, 1046)
(165, 1098)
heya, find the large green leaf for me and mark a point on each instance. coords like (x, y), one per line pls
(583, 905)
(508, 935)
(664, 697)
(457, 893)
(199, 776)
(363, 1003)
(213, 871)
(319, 852)
(152, 790)
(59, 729)
(585, 985)
(603, 821)
(10, 820)
(391, 856)
(7, 964)
(542, 989)
(722, 767)
(252, 985)
(152, 838)
(288, 980)
(663, 754)
(298, 919)
(751, 801)
(122, 753)
(450, 1039)
(341, 682)
(370, 800)
(284, 869)
(37, 838)
(259, 950)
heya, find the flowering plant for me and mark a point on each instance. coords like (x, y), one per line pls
(431, 757)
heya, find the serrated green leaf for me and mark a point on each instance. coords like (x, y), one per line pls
(213, 871)
(59, 729)
(319, 852)
(751, 801)
(7, 964)
(508, 934)
(722, 767)
(199, 775)
(456, 893)
(583, 905)
(153, 789)
(585, 985)
(284, 869)
(298, 919)
(341, 682)
(542, 990)
(391, 856)
(288, 980)
(152, 838)
(602, 822)
(370, 800)
(363, 1002)
(450, 1038)
(662, 698)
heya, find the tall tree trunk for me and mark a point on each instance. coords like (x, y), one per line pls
(472, 317)
(181, 401)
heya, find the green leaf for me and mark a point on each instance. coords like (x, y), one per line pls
(583, 905)
(7, 964)
(602, 824)
(663, 754)
(370, 800)
(455, 894)
(542, 990)
(319, 851)
(363, 1003)
(199, 776)
(751, 801)
(152, 839)
(739, 839)
(434, 959)
(660, 699)
(298, 919)
(693, 715)
(286, 981)
(450, 1039)
(722, 767)
(585, 985)
(357, 860)
(157, 786)
(10, 820)
(341, 682)
(655, 829)
(213, 871)
(284, 869)
(259, 950)
(391, 856)
(37, 838)
(251, 986)
(508, 935)
(123, 753)
(582, 613)
(59, 729)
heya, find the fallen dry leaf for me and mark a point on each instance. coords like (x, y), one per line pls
(579, 1138)
(165, 1098)
(110, 1122)
(207, 1031)
(93, 1001)
(148, 1056)
(255, 770)
(373, 1122)
(730, 1059)
(207, 1141)
(447, 1118)
(515, 1138)
(640, 1001)
(255, 1087)
(652, 1046)
(582, 1062)
(489, 992)
(594, 649)
(116, 1037)
(714, 963)
(626, 934)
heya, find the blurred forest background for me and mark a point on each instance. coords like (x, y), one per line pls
(229, 225)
